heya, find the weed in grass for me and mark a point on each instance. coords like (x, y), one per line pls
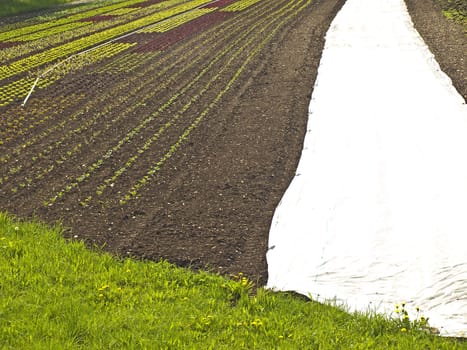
(419, 323)
(239, 287)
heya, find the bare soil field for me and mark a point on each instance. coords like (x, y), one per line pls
(178, 141)
(447, 39)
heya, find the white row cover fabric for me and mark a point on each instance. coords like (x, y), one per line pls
(377, 212)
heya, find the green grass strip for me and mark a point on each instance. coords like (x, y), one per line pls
(57, 294)
(13, 7)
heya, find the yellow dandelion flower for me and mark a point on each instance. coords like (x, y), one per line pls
(403, 330)
(257, 323)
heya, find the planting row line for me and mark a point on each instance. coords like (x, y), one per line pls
(12, 24)
(70, 48)
(10, 92)
(67, 32)
(16, 51)
(240, 5)
(106, 99)
(142, 182)
(257, 33)
(51, 31)
(48, 113)
(20, 88)
(127, 63)
(18, 33)
(104, 102)
(56, 35)
(189, 16)
(97, 120)
(177, 21)
(13, 128)
(145, 147)
(228, 30)
(72, 27)
(145, 123)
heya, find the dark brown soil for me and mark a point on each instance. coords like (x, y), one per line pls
(217, 214)
(446, 38)
(210, 203)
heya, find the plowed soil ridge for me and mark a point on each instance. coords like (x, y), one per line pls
(152, 153)
(180, 146)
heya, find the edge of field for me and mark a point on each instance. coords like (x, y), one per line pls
(79, 298)
(15, 7)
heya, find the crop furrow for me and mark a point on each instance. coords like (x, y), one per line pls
(146, 179)
(51, 31)
(8, 94)
(134, 132)
(106, 100)
(19, 89)
(174, 22)
(67, 49)
(19, 32)
(240, 5)
(44, 152)
(21, 48)
(17, 50)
